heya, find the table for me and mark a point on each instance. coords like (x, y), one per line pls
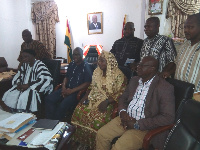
(63, 144)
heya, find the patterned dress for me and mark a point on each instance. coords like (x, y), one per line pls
(87, 118)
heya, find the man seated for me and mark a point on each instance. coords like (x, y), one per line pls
(31, 80)
(78, 77)
(147, 103)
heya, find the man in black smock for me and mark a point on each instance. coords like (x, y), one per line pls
(127, 47)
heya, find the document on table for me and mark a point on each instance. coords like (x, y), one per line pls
(15, 120)
(46, 135)
(4, 114)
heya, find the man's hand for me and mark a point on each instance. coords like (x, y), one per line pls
(66, 92)
(130, 123)
(164, 74)
(133, 66)
(124, 118)
(83, 99)
(22, 87)
(103, 106)
(126, 121)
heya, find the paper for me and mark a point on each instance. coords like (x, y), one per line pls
(46, 135)
(15, 120)
(129, 61)
(9, 136)
(4, 115)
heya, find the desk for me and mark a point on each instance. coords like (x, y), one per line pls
(62, 145)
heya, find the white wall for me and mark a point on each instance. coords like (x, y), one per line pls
(113, 15)
(15, 17)
(163, 22)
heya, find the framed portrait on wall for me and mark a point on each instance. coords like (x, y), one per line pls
(95, 23)
(155, 7)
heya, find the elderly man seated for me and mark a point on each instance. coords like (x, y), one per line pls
(31, 80)
(147, 103)
(78, 77)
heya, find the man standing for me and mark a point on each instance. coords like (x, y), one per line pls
(160, 47)
(37, 46)
(78, 77)
(94, 25)
(128, 46)
(188, 58)
(147, 103)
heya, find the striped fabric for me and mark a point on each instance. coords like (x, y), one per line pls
(136, 106)
(40, 81)
(188, 64)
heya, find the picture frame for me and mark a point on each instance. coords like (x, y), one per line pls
(95, 23)
(155, 7)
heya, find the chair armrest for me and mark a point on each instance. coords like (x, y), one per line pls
(57, 87)
(152, 133)
(80, 93)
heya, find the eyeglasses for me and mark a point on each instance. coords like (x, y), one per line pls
(141, 65)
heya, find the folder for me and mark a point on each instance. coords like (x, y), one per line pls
(45, 124)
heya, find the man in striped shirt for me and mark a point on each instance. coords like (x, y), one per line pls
(188, 59)
(147, 103)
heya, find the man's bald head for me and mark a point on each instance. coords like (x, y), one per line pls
(147, 68)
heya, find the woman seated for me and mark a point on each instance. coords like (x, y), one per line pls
(95, 108)
(32, 80)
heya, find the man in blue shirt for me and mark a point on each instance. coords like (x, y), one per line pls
(78, 77)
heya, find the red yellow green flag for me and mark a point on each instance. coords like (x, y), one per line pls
(124, 22)
(68, 43)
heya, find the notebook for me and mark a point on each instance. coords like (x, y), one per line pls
(46, 124)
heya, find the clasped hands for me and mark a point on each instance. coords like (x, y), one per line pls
(126, 121)
(103, 105)
(66, 91)
(22, 87)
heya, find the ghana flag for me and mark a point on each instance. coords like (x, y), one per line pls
(68, 43)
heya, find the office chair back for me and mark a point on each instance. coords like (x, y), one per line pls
(54, 69)
(183, 91)
(185, 135)
(92, 55)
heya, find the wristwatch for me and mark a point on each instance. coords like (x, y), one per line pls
(136, 125)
